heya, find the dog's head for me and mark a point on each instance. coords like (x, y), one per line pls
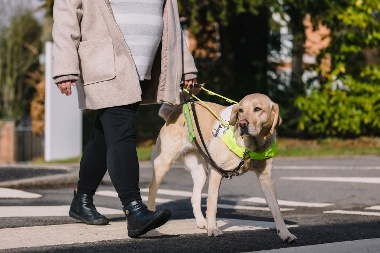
(256, 115)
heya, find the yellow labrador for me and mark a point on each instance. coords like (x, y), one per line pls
(253, 120)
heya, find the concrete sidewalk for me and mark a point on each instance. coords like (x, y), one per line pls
(81, 233)
(37, 236)
(68, 234)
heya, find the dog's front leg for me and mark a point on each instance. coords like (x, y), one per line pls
(198, 168)
(269, 191)
(212, 203)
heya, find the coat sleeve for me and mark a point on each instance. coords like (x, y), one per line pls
(190, 70)
(67, 15)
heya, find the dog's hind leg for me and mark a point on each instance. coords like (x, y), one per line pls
(269, 191)
(198, 169)
(162, 159)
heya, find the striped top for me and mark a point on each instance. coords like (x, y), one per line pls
(141, 23)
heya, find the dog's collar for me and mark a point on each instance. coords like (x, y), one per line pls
(227, 135)
(229, 139)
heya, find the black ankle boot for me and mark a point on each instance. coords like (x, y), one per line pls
(82, 208)
(140, 220)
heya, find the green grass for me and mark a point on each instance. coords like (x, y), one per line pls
(144, 153)
(328, 147)
(326, 151)
(69, 160)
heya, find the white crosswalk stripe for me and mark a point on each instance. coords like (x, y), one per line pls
(353, 212)
(373, 208)
(284, 167)
(41, 211)
(367, 180)
(6, 193)
(288, 203)
(255, 208)
(173, 192)
(144, 198)
(45, 211)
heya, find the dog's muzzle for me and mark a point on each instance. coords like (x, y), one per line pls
(243, 125)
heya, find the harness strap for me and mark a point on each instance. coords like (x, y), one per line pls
(205, 154)
(229, 139)
(225, 173)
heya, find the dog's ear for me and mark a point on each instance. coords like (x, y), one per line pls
(234, 115)
(275, 117)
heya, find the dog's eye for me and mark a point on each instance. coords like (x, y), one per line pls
(240, 110)
(257, 109)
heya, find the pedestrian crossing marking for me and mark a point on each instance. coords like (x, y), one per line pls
(285, 167)
(242, 225)
(144, 198)
(288, 203)
(6, 193)
(373, 208)
(367, 180)
(173, 192)
(46, 211)
(253, 208)
(353, 212)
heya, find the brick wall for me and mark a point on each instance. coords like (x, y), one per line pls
(7, 141)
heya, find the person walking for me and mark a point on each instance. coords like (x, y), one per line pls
(119, 54)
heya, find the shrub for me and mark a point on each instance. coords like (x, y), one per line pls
(349, 110)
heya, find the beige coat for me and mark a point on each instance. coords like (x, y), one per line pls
(90, 48)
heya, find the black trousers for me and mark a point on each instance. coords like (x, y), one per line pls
(112, 147)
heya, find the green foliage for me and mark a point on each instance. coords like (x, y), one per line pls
(355, 27)
(229, 56)
(47, 7)
(346, 111)
(203, 12)
(20, 47)
(352, 108)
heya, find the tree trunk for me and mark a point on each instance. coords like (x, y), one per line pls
(244, 44)
(299, 37)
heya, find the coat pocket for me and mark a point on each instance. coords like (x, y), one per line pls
(97, 60)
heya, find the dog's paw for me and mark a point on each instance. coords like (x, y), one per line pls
(214, 232)
(202, 224)
(286, 236)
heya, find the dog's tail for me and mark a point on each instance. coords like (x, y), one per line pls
(166, 110)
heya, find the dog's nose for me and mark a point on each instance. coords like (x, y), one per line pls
(243, 127)
(243, 123)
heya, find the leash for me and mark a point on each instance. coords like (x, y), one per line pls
(218, 95)
(205, 153)
(223, 122)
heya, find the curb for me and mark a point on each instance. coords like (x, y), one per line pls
(69, 178)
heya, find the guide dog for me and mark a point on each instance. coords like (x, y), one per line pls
(253, 121)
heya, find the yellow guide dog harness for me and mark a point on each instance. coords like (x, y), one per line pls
(223, 130)
(226, 134)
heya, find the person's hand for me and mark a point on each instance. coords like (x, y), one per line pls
(65, 87)
(189, 83)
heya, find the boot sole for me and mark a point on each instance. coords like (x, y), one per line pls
(77, 217)
(158, 222)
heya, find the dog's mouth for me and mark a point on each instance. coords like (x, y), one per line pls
(244, 131)
(243, 125)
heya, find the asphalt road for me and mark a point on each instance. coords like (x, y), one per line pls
(325, 200)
